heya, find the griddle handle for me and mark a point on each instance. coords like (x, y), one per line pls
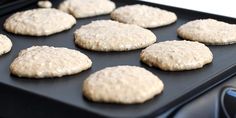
(227, 102)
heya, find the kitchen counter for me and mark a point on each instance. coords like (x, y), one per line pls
(219, 7)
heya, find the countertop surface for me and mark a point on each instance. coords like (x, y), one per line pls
(219, 7)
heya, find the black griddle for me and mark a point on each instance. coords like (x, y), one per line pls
(12, 5)
(65, 93)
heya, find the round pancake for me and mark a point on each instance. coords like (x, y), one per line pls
(208, 31)
(144, 16)
(122, 84)
(87, 8)
(47, 62)
(107, 35)
(44, 4)
(177, 55)
(39, 22)
(5, 44)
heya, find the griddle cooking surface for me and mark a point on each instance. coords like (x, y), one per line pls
(179, 86)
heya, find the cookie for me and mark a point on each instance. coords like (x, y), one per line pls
(144, 16)
(39, 22)
(87, 8)
(107, 35)
(208, 31)
(48, 62)
(5, 44)
(44, 4)
(122, 84)
(177, 55)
